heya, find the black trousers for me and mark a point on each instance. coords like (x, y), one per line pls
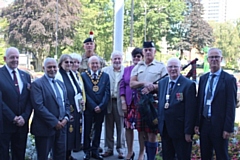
(18, 141)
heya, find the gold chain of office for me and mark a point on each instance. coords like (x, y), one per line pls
(95, 82)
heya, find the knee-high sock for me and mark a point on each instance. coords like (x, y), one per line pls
(151, 148)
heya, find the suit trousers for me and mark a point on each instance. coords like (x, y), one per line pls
(56, 142)
(18, 142)
(175, 147)
(209, 141)
(95, 119)
(111, 119)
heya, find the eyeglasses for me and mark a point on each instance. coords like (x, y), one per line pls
(68, 62)
(173, 67)
(76, 62)
(214, 57)
(149, 49)
(138, 56)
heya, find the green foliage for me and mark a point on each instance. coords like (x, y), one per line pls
(98, 16)
(3, 45)
(194, 31)
(228, 40)
(32, 26)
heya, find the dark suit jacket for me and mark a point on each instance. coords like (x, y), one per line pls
(99, 98)
(181, 114)
(15, 104)
(223, 103)
(1, 119)
(46, 108)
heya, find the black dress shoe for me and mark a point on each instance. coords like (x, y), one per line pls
(97, 156)
(87, 156)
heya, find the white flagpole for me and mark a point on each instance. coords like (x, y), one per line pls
(118, 25)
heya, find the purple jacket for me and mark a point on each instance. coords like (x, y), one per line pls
(125, 89)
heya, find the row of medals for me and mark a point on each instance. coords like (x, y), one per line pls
(95, 82)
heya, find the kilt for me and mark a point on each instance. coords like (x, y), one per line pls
(141, 125)
(130, 116)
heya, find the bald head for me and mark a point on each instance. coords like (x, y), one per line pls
(94, 63)
(173, 68)
(11, 57)
(50, 67)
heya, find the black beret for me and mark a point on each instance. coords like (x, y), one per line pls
(148, 44)
(88, 40)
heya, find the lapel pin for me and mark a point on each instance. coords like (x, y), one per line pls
(178, 84)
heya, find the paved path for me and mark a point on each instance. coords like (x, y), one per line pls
(79, 155)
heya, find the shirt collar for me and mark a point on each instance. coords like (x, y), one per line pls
(10, 70)
(93, 72)
(217, 73)
(175, 80)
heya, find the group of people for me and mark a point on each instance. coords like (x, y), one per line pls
(75, 96)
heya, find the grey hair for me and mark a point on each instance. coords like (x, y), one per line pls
(9, 49)
(49, 59)
(93, 57)
(216, 49)
(63, 58)
(76, 56)
(174, 59)
(114, 53)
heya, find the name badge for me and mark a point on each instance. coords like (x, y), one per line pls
(209, 102)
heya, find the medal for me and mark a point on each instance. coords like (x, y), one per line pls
(95, 88)
(166, 105)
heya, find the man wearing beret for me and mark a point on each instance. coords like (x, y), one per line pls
(89, 47)
(143, 75)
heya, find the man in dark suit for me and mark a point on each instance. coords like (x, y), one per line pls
(176, 112)
(16, 106)
(1, 120)
(217, 96)
(51, 113)
(97, 88)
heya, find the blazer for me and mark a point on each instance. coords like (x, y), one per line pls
(223, 104)
(1, 119)
(46, 108)
(181, 115)
(13, 103)
(110, 71)
(125, 89)
(99, 98)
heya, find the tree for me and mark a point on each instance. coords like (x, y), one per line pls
(158, 18)
(228, 40)
(33, 23)
(194, 31)
(3, 45)
(96, 16)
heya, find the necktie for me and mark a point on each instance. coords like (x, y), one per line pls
(94, 76)
(171, 84)
(15, 81)
(59, 100)
(208, 97)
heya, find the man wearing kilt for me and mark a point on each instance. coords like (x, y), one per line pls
(143, 75)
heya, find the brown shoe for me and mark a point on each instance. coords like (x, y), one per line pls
(120, 156)
(107, 154)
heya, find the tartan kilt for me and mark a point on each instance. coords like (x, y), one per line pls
(146, 101)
